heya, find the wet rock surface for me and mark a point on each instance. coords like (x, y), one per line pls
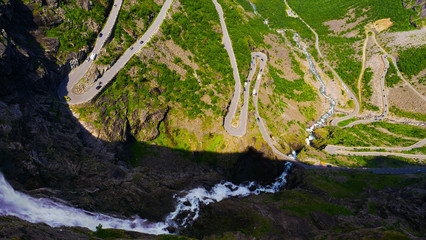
(44, 152)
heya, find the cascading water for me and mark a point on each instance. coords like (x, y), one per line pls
(190, 203)
(57, 214)
(330, 112)
(187, 210)
(254, 7)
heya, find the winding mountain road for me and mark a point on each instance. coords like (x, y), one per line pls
(255, 56)
(396, 66)
(66, 87)
(80, 71)
(351, 95)
(364, 57)
(259, 120)
(335, 122)
(242, 126)
(74, 77)
(384, 99)
(334, 149)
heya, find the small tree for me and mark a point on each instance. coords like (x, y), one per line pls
(99, 228)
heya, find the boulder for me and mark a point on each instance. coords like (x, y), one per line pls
(84, 4)
(144, 123)
(52, 3)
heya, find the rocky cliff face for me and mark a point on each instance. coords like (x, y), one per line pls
(43, 146)
(419, 12)
(46, 153)
(141, 125)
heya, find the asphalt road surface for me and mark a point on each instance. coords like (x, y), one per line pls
(348, 90)
(242, 126)
(79, 72)
(333, 149)
(65, 89)
(259, 120)
(255, 57)
(384, 98)
(396, 66)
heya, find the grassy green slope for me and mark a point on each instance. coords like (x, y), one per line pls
(74, 33)
(323, 204)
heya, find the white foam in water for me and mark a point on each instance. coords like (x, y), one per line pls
(56, 214)
(330, 112)
(187, 210)
(189, 205)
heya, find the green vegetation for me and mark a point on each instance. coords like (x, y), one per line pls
(340, 184)
(133, 19)
(402, 129)
(392, 77)
(243, 33)
(346, 122)
(400, 113)
(275, 12)
(363, 135)
(109, 233)
(412, 61)
(309, 112)
(341, 49)
(302, 204)
(379, 161)
(370, 106)
(246, 5)
(130, 16)
(297, 90)
(316, 12)
(74, 33)
(178, 138)
(366, 91)
(195, 33)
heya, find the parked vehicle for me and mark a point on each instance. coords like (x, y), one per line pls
(93, 56)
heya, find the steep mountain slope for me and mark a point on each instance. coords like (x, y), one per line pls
(158, 129)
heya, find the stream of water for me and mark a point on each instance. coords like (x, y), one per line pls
(188, 206)
(330, 112)
(254, 7)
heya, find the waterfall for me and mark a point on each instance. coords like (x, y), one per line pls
(56, 214)
(330, 112)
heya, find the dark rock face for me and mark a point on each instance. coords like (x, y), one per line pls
(43, 147)
(15, 228)
(47, 17)
(144, 123)
(418, 7)
(52, 3)
(84, 4)
(284, 216)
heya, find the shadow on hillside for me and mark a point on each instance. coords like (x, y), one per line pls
(54, 156)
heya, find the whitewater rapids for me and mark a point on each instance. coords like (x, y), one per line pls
(54, 214)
